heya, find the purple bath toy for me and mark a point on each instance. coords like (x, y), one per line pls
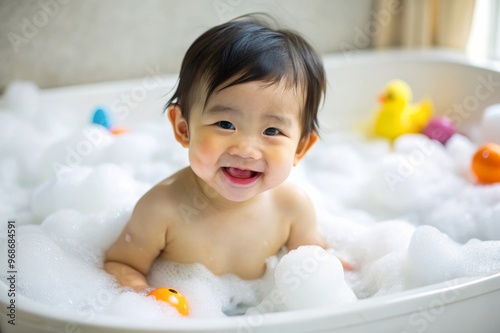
(440, 129)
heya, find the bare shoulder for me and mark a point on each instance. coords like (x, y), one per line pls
(163, 196)
(155, 210)
(299, 210)
(292, 198)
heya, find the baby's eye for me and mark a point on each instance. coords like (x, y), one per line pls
(272, 131)
(225, 125)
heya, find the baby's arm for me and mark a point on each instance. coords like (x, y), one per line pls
(130, 258)
(303, 229)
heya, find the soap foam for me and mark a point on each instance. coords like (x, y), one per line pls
(88, 190)
(50, 275)
(404, 217)
(209, 295)
(310, 277)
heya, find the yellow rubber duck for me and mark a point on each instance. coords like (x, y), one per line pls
(396, 116)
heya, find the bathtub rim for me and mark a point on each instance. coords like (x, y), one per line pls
(363, 311)
(330, 60)
(391, 55)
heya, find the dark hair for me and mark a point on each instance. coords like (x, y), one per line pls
(247, 49)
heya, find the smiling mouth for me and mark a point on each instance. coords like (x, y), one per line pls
(241, 176)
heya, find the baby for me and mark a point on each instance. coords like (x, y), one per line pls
(246, 107)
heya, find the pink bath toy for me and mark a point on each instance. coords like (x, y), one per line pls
(440, 129)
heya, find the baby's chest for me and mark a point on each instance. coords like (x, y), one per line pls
(225, 247)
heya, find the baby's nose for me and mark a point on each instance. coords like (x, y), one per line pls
(245, 148)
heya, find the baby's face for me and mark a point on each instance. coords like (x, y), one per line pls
(245, 140)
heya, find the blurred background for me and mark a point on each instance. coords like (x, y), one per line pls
(68, 42)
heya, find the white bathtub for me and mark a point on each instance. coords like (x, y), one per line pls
(463, 305)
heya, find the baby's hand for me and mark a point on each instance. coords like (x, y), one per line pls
(127, 276)
(145, 291)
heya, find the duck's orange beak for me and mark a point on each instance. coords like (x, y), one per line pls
(381, 99)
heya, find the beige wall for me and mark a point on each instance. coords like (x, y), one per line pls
(67, 42)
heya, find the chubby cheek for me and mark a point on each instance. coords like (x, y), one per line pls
(281, 163)
(203, 153)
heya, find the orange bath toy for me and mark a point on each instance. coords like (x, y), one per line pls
(486, 163)
(118, 130)
(172, 297)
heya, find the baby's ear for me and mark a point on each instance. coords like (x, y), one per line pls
(179, 125)
(304, 145)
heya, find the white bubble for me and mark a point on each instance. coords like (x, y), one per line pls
(433, 257)
(310, 277)
(22, 98)
(490, 123)
(88, 190)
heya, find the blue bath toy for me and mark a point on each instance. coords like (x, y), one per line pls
(102, 118)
